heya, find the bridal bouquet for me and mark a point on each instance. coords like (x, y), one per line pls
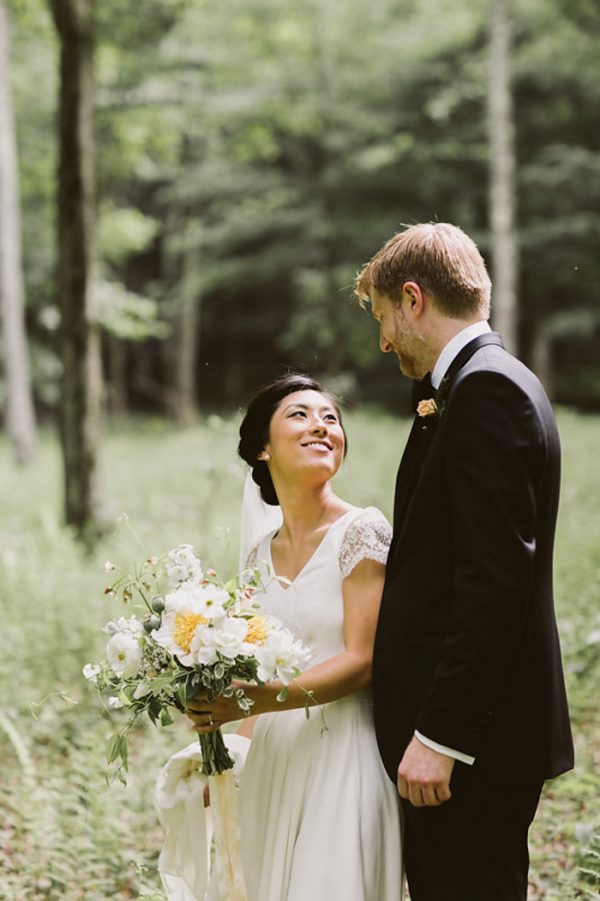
(197, 637)
(194, 635)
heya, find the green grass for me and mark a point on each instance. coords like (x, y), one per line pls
(63, 833)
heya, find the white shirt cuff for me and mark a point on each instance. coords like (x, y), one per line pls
(442, 749)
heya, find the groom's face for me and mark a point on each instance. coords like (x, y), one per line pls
(396, 334)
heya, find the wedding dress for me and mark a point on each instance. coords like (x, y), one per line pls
(319, 817)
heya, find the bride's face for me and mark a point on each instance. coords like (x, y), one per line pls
(305, 437)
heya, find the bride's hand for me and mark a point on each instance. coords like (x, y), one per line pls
(208, 716)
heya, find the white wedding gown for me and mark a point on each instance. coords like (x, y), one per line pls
(319, 817)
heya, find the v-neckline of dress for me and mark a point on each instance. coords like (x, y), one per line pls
(292, 582)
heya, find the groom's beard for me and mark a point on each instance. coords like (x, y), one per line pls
(408, 348)
(408, 366)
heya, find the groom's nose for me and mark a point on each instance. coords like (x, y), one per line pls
(384, 344)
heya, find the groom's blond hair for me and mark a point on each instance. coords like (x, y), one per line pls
(442, 259)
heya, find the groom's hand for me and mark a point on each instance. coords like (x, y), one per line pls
(424, 775)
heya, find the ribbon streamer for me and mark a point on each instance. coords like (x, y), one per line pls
(184, 862)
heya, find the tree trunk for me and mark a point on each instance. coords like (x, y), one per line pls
(502, 176)
(80, 350)
(186, 335)
(20, 417)
(326, 101)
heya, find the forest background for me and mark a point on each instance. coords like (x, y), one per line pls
(187, 190)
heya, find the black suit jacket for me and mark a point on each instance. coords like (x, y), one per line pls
(467, 650)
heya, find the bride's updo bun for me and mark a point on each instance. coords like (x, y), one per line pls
(254, 430)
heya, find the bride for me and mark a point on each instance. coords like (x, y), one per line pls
(319, 816)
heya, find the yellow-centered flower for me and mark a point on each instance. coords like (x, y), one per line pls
(185, 629)
(258, 630)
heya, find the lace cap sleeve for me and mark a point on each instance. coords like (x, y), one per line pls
(368, 537)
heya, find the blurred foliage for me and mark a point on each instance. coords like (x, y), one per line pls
(127, 315)
(278, 145)
(65, 834)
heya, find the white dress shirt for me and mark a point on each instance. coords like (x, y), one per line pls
(454, 347)
(447, 356)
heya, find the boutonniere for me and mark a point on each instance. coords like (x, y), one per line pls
(427, 408)
(432, 408)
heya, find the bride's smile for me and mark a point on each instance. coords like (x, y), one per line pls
(319, 445)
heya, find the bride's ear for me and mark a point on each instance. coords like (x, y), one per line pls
(264, 456)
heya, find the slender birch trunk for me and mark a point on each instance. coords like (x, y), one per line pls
(502, 176)
(20, 416)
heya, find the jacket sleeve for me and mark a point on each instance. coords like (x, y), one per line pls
(494, 456)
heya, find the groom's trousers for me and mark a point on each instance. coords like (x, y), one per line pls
(473, 847)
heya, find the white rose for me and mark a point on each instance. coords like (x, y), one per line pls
(205, 654)
(227, 638)
(281, 655)
(124, 655)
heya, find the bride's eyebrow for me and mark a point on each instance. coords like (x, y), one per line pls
(306, 408)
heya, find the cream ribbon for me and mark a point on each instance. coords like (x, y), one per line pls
(179, 800)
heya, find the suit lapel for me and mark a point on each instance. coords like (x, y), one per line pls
(467, 352)
(422, 432)
(418, 440)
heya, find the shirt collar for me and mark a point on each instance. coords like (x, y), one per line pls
(454, 347)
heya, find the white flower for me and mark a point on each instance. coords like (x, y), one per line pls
(189, 610)
(124, 655)
(91, 671)
(226, 637)
(203, 651)
(165, 635)
(124, 626)
(184, 566)
(114, 703)
(109, 567)
(205, 600)
(282, 655)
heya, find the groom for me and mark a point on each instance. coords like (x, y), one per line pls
(470, 706)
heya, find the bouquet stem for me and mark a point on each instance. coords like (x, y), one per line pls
(215, 756)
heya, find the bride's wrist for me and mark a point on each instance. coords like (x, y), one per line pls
(256, 695)
(264, 697)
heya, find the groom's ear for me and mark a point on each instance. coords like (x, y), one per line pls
(413, 298)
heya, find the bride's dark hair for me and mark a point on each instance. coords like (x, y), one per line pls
(254, 430)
